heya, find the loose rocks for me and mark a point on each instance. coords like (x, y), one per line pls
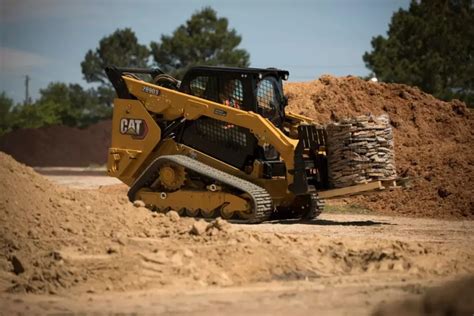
(173, 216)
(139, 203)
(199, 228)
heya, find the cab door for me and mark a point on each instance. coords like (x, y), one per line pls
(270, 100)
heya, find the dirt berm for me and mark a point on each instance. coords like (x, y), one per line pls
(53, 239)
(434, 141)
(62, 146)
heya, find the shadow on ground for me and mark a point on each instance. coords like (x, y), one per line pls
(326, 222)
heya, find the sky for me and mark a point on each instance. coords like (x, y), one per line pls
(48, 39)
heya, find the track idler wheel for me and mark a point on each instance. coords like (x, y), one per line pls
(226, 213)
(172, 176)
(248, 213)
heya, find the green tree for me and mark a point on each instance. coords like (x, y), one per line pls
(430, 45)
(204, 39)
(121, 48)
(61, 104)
(35, 115)
(73, 105)
(6, 105)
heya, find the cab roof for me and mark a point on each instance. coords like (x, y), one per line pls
(261, 72)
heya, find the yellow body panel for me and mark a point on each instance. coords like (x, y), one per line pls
(128, 151)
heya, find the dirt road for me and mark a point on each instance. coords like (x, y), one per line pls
(336, 296)
(340, 264)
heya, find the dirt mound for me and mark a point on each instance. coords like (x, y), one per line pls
(54, 239)
(59, 145)
(41, 223)
(434, 141)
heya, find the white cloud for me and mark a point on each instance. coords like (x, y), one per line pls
(12, 60)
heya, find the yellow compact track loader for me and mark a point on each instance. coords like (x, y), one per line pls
(217, 143)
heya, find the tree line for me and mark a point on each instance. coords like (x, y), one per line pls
(429, 45)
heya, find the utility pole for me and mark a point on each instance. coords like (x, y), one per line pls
(27, 92)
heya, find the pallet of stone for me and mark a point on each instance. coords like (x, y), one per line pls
(360, 150)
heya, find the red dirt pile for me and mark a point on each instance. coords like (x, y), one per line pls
(59, 145)
(434, 141)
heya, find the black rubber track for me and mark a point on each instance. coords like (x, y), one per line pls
(316, 206)
(263, 205)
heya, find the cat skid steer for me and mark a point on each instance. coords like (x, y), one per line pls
(217, 143)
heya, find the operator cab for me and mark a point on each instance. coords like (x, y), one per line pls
(250, 89)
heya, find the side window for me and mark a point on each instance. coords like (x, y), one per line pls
(232, 93)
(198, 86)
(267, 100)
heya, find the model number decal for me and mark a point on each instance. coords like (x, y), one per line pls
(134, 127)
(151, 90)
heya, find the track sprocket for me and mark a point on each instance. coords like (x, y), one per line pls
(171, 176)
